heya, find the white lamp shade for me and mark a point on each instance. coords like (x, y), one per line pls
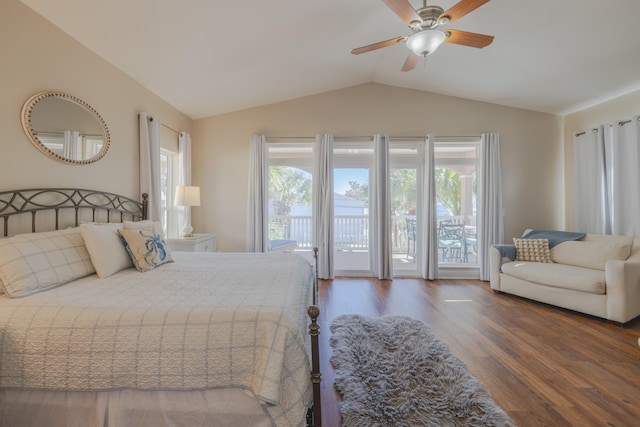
(187, 195)
(425, 42)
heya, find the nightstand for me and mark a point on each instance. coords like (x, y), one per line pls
(200, 242)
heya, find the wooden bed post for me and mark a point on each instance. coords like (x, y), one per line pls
(314, 332)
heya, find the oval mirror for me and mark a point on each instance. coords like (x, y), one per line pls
(65, 128)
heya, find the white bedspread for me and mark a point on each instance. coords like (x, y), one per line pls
(205, 321)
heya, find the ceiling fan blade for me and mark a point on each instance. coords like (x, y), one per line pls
(374, 46)
(468, 39)
(405, 11)
(461, 8)
(411, 62)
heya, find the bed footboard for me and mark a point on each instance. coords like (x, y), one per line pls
(315, 418)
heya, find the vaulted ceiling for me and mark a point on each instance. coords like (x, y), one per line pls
(207, 57)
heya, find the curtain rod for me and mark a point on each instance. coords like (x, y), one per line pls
(314, 138)
(150, 118)
(420, 138)
(594, 130)
(170, 128)
(291, 137)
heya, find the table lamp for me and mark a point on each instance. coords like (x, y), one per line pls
(187, 195)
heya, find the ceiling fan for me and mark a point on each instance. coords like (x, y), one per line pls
(424, 23)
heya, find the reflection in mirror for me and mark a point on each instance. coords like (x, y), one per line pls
(65, 128)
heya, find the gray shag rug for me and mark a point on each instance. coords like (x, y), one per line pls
(394, 371)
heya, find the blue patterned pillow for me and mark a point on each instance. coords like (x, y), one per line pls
(146, 247)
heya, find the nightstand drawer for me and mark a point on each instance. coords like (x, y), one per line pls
(204, 242)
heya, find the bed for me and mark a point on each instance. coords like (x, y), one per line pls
(168, 339)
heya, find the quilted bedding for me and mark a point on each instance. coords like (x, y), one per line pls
(207, 320)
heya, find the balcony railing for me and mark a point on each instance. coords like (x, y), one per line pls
(351, 232)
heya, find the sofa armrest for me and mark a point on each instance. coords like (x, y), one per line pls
(496, 259)
(623, 289)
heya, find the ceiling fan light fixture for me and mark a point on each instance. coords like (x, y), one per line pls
(425, 42)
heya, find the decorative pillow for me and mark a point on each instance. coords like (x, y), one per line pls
(146, 247)
(138, 225)
(31, 263)
(108, 255)
(532, 250)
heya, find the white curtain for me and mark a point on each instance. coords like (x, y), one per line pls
(72, 148)
(622, 160)
(592, 215)
(381, 210)
(607, 180)
(150, 163)
(184, 173)
(322, 216)
(257, 215)
(490, 224)
(429, 230)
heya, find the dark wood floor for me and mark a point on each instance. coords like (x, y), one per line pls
(544, 366)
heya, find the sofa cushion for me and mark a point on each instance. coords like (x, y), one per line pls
(591, 254)
(558, 276)
(534, 250)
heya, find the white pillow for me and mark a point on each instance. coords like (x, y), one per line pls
(108, 254)
(139, 225)
(31, 263)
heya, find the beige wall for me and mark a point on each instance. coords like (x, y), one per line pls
(531, 148)
(37, 56)
(620, 108)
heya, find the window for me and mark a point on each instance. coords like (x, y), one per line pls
(168, 182)
(290, 193)
(456, 190)
(405, 160)
(352, 164)
(290, 202)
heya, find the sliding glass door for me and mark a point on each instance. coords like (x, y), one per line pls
(290, 201)
(290, 167)
(455, 176)
(351, 209)
(405, 160)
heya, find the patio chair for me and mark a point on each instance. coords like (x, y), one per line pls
(452, 242)
(411, 237)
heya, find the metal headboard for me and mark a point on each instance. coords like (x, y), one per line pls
(57, 200)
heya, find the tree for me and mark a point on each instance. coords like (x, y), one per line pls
(403, 190)
(448, 190)
(358, 191)
(288, 186)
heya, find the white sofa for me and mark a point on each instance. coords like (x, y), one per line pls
(597, 275)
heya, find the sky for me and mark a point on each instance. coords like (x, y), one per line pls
(342, 176)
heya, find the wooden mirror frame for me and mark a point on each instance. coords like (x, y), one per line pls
(26, 115)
